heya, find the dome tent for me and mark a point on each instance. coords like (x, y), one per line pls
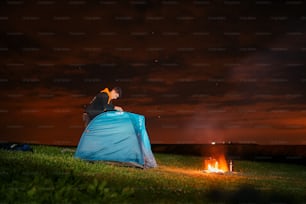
(117, 137)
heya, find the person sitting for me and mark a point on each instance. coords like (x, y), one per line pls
(102, 102)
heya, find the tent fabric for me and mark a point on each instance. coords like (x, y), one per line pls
(117, 137)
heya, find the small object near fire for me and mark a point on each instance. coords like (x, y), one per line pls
(231, 166)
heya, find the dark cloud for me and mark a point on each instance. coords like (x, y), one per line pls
(189, 66)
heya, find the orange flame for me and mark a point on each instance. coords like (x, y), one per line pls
(216, 166)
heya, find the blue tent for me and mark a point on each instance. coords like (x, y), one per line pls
(117, 137)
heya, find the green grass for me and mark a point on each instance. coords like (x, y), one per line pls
(53, 175)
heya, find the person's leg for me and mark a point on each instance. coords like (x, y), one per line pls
(86, 119)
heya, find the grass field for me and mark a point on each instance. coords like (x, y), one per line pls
(52, 175)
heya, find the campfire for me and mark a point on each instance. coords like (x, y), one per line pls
(220, 165)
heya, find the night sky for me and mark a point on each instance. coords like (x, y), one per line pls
(199, 71)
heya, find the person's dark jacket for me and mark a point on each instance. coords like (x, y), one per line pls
(100, 103)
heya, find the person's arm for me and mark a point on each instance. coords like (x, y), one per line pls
(118, 108)
(104, 102)
(110, 106)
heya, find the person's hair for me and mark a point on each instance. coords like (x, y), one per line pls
(118, 90)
